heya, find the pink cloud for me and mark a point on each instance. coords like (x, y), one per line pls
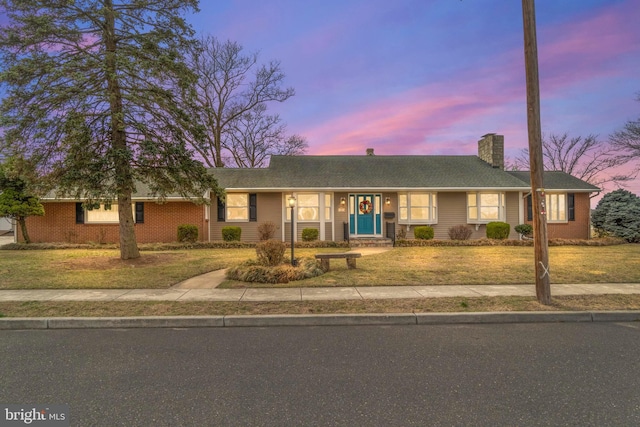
(586, 49)
(488, 99)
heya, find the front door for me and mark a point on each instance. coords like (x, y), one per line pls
(365, 211)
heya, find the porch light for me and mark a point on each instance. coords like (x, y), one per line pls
(343, 201)
(387, 201)
(292, 205)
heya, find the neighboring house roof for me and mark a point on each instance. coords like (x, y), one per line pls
(556, 180)
(384, 172)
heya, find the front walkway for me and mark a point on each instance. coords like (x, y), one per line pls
(310, 294)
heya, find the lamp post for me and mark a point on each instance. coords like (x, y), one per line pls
(292, 204)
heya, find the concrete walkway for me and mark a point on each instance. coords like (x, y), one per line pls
(310, 294)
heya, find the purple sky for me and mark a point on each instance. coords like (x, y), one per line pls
(432, 76)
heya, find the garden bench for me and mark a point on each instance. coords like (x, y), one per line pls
(349, 256)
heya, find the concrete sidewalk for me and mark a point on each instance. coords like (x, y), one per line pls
(310, 294)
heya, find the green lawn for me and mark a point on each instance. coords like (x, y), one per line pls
(82, 268)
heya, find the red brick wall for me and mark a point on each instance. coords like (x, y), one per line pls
(578, 229)
(160, 224)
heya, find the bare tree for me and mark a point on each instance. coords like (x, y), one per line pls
(586, 158)
(255, 136)
(230, 85)
(628, 140)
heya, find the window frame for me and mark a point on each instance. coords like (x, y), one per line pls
(548, 204)
(570, 206)
(478, 206)
(321, 208)
(245, 207)
(102, 208)
(432, 207)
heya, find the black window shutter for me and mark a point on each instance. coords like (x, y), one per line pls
(529, 208)
(221, 208)
(571, 202)
(79, 213)
(253, 208)
(139, 212)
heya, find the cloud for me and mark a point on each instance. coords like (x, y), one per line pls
(440, 116)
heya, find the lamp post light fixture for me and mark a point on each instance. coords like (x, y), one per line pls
(292, 205)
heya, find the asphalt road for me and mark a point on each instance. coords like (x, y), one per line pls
(476, 375)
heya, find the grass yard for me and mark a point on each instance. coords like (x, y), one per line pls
(478, 265)
(213, 308)
(102, 269)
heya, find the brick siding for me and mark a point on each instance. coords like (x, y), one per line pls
(160, 224)
(578, 229)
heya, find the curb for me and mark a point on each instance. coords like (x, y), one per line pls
(316, 320)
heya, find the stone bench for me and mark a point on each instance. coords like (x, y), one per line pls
(349, 256)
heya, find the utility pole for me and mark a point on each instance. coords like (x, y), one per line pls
(541, 246)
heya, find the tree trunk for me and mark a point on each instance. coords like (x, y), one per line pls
(217, 142)
(128, 244)
(23, 229)
(123, 173)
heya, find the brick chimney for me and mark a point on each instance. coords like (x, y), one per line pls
(370, 152)
(491, 150)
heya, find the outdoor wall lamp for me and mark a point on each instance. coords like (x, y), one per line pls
(387, 201)
(292, 205)
(343, 201)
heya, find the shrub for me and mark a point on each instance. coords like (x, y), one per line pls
(460, 232)
(401, 234)
(231, 234)
(250, 271)
(270, 252)
(498, 230)
(187, 233)
(309, 234)
(423, 232)
(618, 214)
(524, 229)
(267, 230)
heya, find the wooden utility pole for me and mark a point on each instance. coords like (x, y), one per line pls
(541, 247)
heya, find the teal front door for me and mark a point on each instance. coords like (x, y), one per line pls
(365, 211)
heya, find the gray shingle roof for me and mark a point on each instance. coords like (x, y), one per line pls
(388, 172)
(370, 172)
(380, 173)
(556, 180)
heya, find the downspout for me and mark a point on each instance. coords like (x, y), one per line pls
(589, 221)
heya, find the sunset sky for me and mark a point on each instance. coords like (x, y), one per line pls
(432, 76)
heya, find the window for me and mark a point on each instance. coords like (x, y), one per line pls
(417, 208)
(102, 214)
(308, 206)
(327, 207)
(485, 207)
(237, 207)
(106, 214)
(560, 207)
(556, 207)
